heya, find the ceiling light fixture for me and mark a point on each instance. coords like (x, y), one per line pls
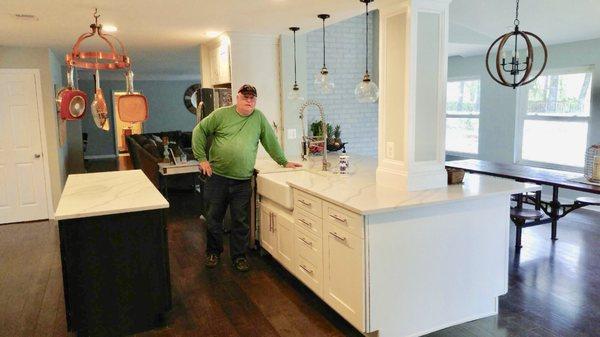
(516, 66)
(366, 91)
(295, 94)
(323, 84)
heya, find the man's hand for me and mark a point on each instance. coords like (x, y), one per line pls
(292, 165)
(205, 168)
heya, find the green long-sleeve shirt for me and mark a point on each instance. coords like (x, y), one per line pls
(234, 145)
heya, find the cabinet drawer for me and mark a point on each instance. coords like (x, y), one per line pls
(307, 202)
(343, 218)
(309, 222)
(308, 246)
(310, 274)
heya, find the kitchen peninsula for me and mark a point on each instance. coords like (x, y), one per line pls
(391, 262)
(114, 253)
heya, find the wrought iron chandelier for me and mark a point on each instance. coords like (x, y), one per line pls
(519, 70)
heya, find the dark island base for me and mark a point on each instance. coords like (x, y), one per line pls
(115, 273)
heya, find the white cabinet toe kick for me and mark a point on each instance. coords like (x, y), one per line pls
(402, 273)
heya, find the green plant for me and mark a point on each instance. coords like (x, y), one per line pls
(317, 129)
(337, 132)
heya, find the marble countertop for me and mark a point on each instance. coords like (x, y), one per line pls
(104, 193)
(359, 192)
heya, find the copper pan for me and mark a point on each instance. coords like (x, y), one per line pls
(133, 107)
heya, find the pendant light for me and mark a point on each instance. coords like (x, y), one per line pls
(366, 91)
(323, 83)
(295, 94)
(515, 66)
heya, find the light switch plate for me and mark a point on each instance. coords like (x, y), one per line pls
(389, 150)
(291, 134)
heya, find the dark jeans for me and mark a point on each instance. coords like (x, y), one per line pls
(220, 192)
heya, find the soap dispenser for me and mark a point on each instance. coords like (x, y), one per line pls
(344, 162)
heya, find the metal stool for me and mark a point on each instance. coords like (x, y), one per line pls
(587, 201)
(519, 216)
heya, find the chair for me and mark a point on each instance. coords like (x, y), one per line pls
(587, 201)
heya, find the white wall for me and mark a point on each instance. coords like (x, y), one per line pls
(49, 67)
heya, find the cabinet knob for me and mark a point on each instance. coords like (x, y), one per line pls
(37, 155)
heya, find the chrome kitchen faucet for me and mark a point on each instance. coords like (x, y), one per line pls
(306, 141)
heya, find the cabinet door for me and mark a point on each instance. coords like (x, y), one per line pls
(284, 232)
(267, 230)
(343, 274)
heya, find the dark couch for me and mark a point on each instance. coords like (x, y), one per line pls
(146, 150)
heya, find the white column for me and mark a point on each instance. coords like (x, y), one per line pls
(413, 56)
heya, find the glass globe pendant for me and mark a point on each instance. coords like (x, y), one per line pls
(323, 83)
(294, 94)
(366, 91)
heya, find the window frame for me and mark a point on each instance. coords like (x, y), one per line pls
(446, 115)
(522, 105)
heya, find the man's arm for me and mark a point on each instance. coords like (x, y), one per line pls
(270, 142)
(199, 139)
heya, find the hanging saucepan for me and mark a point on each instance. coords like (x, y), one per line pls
(99, 108)
(132, 107)
(71, 102)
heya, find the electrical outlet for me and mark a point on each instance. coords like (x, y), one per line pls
(389, 150)
(291, 134)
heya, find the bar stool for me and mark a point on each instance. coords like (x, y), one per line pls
(587, 201)
(520, 216)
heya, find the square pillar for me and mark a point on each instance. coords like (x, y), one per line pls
(413, 58)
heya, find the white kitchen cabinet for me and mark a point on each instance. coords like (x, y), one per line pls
(343, 273)
(268, 239)
(283, 224)
(277, 233)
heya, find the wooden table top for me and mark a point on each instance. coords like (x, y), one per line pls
(536, 175)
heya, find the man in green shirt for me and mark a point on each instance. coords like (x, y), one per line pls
(229, 166)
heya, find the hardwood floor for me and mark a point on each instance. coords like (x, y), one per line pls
(554, 288)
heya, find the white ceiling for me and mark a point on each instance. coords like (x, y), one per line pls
(156, 32)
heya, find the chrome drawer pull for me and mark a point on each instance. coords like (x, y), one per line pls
(335, 235)
(306, 269)
(338, 218)
(305, 222)
(306, 242)
(305, 203)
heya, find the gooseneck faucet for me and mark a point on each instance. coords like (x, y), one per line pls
(305, 138)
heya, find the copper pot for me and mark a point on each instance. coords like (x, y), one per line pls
(132, 107)
(70, 101)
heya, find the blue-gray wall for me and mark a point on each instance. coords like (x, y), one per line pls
(166, 111)
(345, 52)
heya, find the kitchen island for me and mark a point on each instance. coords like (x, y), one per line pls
(114, 253)
(391, 262)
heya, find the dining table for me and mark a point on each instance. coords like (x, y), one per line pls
(557, 180)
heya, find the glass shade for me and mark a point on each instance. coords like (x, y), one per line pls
(295, 94)
(323, 83)
(366, 91)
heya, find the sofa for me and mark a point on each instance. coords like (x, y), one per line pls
(146, 150)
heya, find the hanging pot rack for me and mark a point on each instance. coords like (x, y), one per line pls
(112, 60)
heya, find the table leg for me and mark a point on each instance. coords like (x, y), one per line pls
(554, 207)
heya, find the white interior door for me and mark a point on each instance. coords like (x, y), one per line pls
(22, 181)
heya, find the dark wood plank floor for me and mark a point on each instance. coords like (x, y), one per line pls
(554, 288)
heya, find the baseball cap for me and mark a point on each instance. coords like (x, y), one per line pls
(247, 89)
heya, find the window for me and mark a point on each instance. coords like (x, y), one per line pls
(462, 116)
(554, 125)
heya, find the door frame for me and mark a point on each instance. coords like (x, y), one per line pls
(42, 130)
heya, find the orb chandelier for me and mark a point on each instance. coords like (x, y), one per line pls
(366, 91)
(519, 70)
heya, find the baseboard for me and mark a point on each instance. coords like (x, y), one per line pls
(101, 156)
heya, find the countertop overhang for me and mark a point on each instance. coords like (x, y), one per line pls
(105, 193)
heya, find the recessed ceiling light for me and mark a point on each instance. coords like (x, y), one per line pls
(109, 28)
(212, 33)
(27, 17)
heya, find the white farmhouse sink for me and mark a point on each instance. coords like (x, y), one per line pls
(274, 186)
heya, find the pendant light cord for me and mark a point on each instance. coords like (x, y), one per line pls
(517, 14)
(324, 43)
(295, 83)
(367, 38)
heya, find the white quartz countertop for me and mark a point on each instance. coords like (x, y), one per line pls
(104, 193)
(359, 192)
